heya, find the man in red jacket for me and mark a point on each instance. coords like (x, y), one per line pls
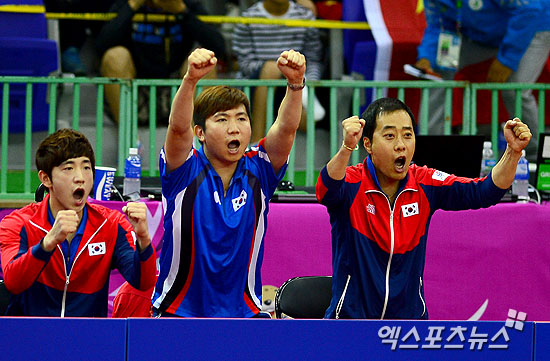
(57, 254)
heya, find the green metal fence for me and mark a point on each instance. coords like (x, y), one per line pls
(128, 130)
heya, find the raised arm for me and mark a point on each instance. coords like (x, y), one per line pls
(517, 135)
(179, 137)
(353, 130)
(279, 138)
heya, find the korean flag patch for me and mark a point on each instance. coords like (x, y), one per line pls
(95, 249)
(239, 201)
(409, 209)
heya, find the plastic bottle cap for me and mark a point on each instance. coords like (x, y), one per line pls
(523, 152)
(487, 144)
(133, 151)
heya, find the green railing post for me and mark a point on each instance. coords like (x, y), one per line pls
(99, 125)
(76, 106)
(334, 121)
(541, 105)
(152, 128)
(310, 137)
(52, 117)
(473, 111)
(269, 112)
(356, 106)
(448, 112)
(518, 102)
(494, 121)
(28, 139)
(466, 111)
(424, 105)
(5, 134)
(123, 128)
(401, 94)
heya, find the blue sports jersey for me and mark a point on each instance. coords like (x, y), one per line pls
(213, 243)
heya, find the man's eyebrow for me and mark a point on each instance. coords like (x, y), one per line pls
(218, 114)
(71, 162)
(386, 127)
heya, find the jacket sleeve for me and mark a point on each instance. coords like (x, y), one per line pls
(330, 192)
(524, 21)
(21, 263)
(452, 193)
(137, 267)
(428, 46)
(118, 30)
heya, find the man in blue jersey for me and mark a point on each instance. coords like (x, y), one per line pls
(216, 198)
(380, 211)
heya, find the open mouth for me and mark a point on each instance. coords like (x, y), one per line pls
(78, 194)
(234, 144)
(400, 162)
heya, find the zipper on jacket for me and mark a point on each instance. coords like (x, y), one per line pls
(392, 236)
(387, 294)
(341, 300)
(421, 298)
(66, 282)
(72, 267)
(64, 295)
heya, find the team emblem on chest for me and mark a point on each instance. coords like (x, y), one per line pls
(95, 249)
(239, 201)
(371, 209)
(409, 209)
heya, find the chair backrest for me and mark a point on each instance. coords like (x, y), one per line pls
(39, 193)
(4, 298)
(304, 297)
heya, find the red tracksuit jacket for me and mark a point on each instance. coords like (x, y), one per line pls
(39, 280)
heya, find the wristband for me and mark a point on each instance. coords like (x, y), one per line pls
(296, 86)
(350, 148)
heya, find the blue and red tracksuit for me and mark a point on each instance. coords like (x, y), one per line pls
(379, 249)
(45, 284)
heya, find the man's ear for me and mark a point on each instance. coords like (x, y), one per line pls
(367, 144)
(45, 179)
(199, 132)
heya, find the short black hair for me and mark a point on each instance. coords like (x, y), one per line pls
(380, 107)
(62, 145)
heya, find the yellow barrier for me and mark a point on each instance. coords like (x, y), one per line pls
(214, 19)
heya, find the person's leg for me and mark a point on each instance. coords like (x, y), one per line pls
(436, 106)
(528, 71)
(473, 53)
(470, 53)
(116, 63)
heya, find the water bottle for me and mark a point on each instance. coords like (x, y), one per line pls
(132, 175)
(520, 187)
(488, 160)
